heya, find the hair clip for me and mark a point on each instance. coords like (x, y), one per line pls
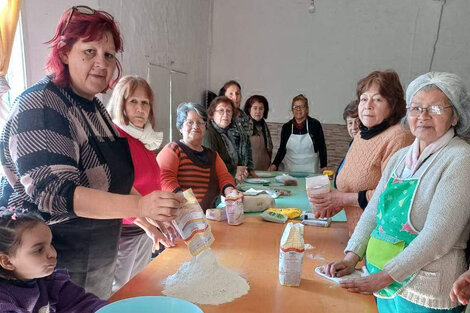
(13, 217)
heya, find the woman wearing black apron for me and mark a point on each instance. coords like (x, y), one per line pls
(62, 157)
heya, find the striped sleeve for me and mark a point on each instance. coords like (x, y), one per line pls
(225, 179)
(168, 161)
(41, 153)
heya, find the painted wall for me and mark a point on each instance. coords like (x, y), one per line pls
(278, 49)
(275, 47)
(171, 33)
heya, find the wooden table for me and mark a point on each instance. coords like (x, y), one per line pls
(252, 250)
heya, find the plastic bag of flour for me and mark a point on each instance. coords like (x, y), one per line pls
(274, 217)
(291, 255)
(192, 225)
(234, 208)
(216, 214)
(257, 203)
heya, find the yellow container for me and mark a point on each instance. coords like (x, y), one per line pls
(330, 173)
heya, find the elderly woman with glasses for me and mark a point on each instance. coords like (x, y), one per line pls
(302, 147)
(186, 163)
(414, 230)
(62, 156)
(219, 138)
(351, 118)
(239, 129)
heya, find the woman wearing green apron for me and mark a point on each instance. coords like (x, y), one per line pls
(414, 231)
(63, 158)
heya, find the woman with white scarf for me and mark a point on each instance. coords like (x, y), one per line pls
(414, 230)
(131, 107)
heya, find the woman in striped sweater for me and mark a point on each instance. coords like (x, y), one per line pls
(187, 164)
(63, 159)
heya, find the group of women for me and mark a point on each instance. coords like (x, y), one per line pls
(243, 139)
(95, 179)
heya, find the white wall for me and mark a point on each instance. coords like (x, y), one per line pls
(278, 49)
(274, 47)
(169, 33)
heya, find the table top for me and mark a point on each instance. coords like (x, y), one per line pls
(252, 250)
(297, 198)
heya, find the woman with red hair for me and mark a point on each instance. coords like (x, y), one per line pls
(63, 158)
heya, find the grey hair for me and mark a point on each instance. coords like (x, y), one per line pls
(452, 86)
(183, 110)
(426, 88)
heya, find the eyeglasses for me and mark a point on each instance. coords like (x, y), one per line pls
(222, 111)
(82, 9)
(190, 124)
(298, 107)
(432, 110)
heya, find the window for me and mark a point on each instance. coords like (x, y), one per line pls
(16, 75)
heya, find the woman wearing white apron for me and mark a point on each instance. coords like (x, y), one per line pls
(302, 147)
(414, 230)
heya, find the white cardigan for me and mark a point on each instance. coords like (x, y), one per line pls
(441, 213)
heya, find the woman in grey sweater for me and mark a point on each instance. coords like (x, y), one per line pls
(414, 230)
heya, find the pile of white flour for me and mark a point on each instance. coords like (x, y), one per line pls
(203, 280)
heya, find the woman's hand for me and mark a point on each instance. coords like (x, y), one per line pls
(327, 204)
(159, 205)
(158, 238)
(461, 289)
(252, 174)
(160, 232)
(241, 174)
(229, 190)
(167, 229)
(272, 168)
(368, 284)
(343, 267)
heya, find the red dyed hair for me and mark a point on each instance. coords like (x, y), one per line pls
(81, 26)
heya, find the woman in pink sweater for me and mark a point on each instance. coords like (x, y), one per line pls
(381, 107)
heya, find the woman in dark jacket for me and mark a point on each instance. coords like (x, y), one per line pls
(219, 138)
(239, 128)
(257, 108)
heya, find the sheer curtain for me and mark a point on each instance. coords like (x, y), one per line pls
(9, 13)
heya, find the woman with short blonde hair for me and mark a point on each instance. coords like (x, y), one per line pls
(131, 107)
(124, 88)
